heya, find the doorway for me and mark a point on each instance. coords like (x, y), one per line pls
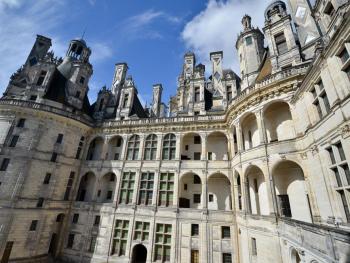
(139, 254)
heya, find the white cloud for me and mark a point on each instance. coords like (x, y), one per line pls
(100, 51)
(216, 28)
(9, 3)
(140, 25)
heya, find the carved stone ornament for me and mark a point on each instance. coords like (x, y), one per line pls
(345, 131)
(314, 149)
(303, 156)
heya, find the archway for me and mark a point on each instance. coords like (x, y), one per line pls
(139, 254)
(217, 146)
(191, 148)
(105, 193)
(295, 256)
(190, 192)
(290, 191)
(219, 193)
(95, 149)
(57, 234)
(86, 188)
(278, 122)
(250, 132)
(256, 191)
(115, 146)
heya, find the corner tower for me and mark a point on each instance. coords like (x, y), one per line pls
(250, 48)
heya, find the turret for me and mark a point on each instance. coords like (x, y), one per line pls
(39, 50)
(250, 47)
(157, 100)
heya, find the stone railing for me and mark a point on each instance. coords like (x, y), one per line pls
(38, 106)
(316, 241)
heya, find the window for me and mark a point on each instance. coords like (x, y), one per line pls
(70, 241)
(47, 178)
(210, 156)
(211, 198)
(97, 220)
(53, 157)
(75, 218)
(344, 56)
(81, 143)
(20, 123)
(196, 179)
(69, 186)
(141, 232)
(194, 230)
(248, 41)
(196, 113)
(146, 189)
(116, 156)
(162, 243)
(127, 188)
(197, 139)
(92, 244)
(119, 142)
(82, 80)
(169, 147)
(329, 9)
(254, 248)
(59, 138)
(150, 147)
(40, 202)
(125, 101)
(194, 256)
(166, 189)
(196, 156)
(197, 94)
(14, 141)
(225, 232)
(281, 43)
(196, 198)
(33, 97)
(320, 99)
(120, 237)
(341, 175)
(41, 78)
(229, 93)
(133, 148)
(33, 225)
(226, 258)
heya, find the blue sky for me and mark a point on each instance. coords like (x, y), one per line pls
(150, 35)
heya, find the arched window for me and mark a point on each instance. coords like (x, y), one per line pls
(133, 148)
(169, 147)
(150, 147)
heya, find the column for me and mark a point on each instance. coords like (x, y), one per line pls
(239, 136)
(178, 147)
(204, 182)
(104, 150)
(235, 192)
(271, 196)
(231, 145)
(125, 145)
(142, 146)
(204, 146)
(159, 146)
(261, 126)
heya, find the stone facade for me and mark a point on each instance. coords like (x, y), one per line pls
(236, 169)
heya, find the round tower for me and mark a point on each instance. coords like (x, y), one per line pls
(250, 48)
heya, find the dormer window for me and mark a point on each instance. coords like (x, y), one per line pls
(229, 93)
(329, 9)
(82, 80)
(126, 99)
(41, 78)
(196, 94)
(281, 43)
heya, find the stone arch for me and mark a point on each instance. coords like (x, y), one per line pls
(151, 144)
(115, 148)
(191, 146)
(290, 190)
(219, 192)
(106, 191)
(217, 146)
(250, 131)
(86, 187)
(133, 147)
(190, 191)
(256, 190)
(95, 149)
(278, 121)
(169, 147)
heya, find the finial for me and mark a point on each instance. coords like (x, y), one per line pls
(82, 36)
